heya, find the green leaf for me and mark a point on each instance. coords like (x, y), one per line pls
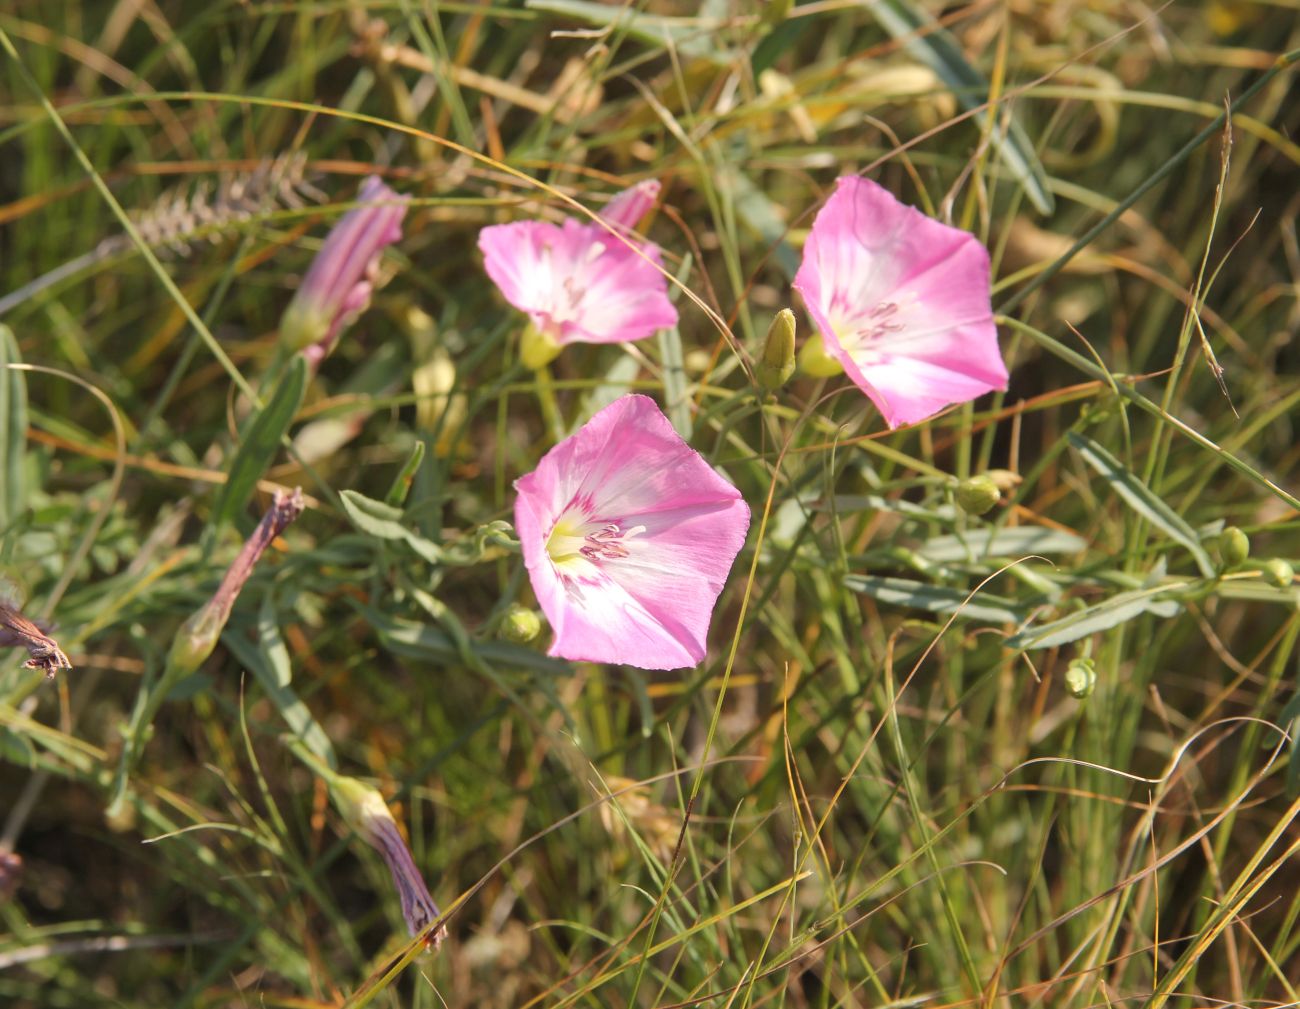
(930, 43)
(13, 431)
(261, 442)
(375, 518)
(269, 663)
(406, 476)
(420, 641)
(382, 521)
(1114, 611)
(1141, 499)
(937, 599)
(1020, 541)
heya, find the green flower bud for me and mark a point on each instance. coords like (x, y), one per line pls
(195, 640)
(1081, 678)
(521, 625)
(978, 494)
(777, 364)
(814, 360)
(537, 348)
(1278, 571)
(1234, 547)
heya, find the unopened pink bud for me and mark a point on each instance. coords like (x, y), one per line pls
(338, 285)
(627, 208)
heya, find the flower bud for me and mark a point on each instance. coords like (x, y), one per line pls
(337, 286)
(977, 494)
(1081, 678)
(364, 810)
(1278, 571)
(815, 361)
(627, 208)
(1234, 547)
(195, 640)
(521, 625)
(777, 363)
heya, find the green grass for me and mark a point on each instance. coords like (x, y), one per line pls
(878, 789)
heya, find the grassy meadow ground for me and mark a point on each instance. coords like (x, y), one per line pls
(1072, 787)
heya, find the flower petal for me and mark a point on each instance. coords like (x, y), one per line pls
(577, 281)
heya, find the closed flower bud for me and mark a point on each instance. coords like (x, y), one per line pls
(777, 363)
(1234, 546)
(978, 494)
(1279, 572)
(521, 625)
(195, 640)
(1081, 678)
(338, 285)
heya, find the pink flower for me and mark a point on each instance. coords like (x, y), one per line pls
(577, 282)
(628, 535)
(338, 285)
(902, 302)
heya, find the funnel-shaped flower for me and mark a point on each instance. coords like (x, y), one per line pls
(628, 535)
(338, 285)
(577, 282)
(901, 301)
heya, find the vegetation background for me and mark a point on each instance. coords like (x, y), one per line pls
(898, 794)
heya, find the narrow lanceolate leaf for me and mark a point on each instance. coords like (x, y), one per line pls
(1142, 499)
(1114, 611)
(433, 645)
(384, 522)
(923, 37)
(13, 430)
(937, 599)
(1019, 541)
(260, 443)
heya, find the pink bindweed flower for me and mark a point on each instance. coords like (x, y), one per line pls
(341, 278)
(902, 303)
(628, 535)
(579, 283)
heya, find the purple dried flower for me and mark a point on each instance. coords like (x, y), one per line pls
(198, 635)
(365, 811)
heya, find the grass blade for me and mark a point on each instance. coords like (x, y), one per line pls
(936, 599)
(1141, 499)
